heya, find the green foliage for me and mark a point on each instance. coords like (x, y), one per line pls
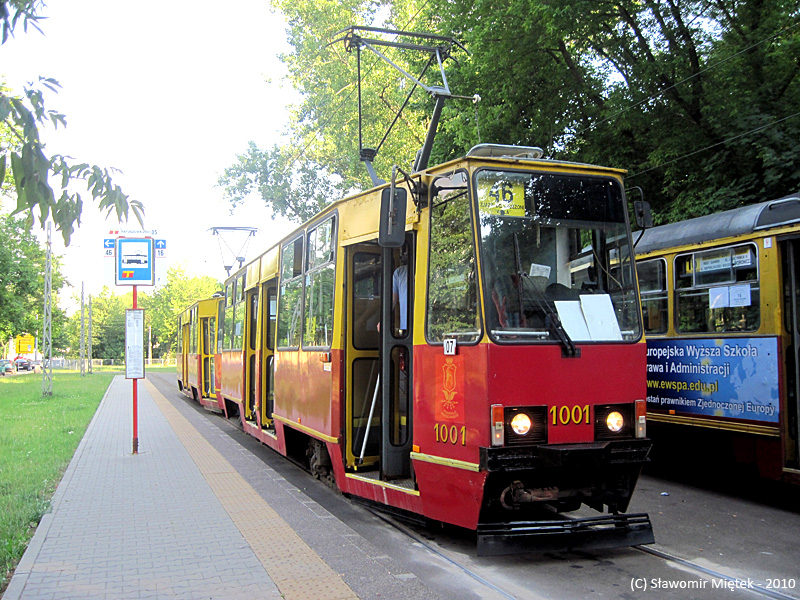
(698, 100)
(22, 151)
(296, 192)
(22, 267)
(320, 161)
(167, 302)
(161, 312)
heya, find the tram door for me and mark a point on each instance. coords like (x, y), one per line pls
(790, 252)
(209, 345)
(379, 415)
(251, 347)
(396, 356)
(269, 298)
(185, 340)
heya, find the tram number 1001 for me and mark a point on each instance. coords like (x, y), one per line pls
(451, 434)
(569, 415)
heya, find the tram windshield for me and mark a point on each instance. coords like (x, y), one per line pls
(556, 258)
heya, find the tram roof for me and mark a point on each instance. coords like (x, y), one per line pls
(729, 223)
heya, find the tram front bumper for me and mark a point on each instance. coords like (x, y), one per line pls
(566, 456)
(559, 535)
(597, 474)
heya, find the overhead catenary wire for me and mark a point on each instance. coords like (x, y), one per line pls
(721, 143)
(324, 123)
(345, 101)
(686, 79)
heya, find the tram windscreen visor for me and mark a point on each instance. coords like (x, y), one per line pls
(550, 198)
(556, 246)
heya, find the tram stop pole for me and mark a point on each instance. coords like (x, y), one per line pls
(135, 393)
(134, 259)
(134, 358)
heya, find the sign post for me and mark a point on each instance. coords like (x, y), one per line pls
(134, 266)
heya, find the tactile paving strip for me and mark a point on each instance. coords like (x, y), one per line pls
(295, 568)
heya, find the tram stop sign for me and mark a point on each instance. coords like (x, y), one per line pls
(134, 261)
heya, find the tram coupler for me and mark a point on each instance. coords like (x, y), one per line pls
(517, 494)
(560, 535)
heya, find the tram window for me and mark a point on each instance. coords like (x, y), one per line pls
(319, 307)
(221, 320)
(653, 289)
(718, 290)
(272, 304)
(290, 304)
(253, 325)
(452, 278)
(292, 259)
(366, 300)
(319, 292)
(193, 331)
(289, 309)
(320, 245)
(238, 328)
(237, 335)
(230, 293)
(240, 288)
(550, 242)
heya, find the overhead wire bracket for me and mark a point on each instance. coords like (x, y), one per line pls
(439, 49)
(238, 256)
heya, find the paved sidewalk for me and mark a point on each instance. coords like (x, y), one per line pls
(148, 525)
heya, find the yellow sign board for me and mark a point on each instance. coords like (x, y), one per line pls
(25, 344)
(502, 198)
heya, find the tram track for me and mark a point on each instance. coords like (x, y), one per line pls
(731, 582)
(737, 583)
(398, 526)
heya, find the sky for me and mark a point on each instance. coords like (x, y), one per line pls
(168, 92)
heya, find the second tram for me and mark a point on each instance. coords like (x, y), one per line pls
(198, 355)
(721, 299)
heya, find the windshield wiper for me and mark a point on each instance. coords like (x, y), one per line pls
(554, 326)
(552, 320)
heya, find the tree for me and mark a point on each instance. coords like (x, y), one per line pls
(698, 99)
(108, 326)
(21, 149)
(320, 162)
(164, 306)
(22, 264)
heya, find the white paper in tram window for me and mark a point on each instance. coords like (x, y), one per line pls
(600, 317)
(718, 297)
(571, 315)
(739, 295)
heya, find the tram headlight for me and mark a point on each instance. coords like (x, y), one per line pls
(615, 421)
(521, 424)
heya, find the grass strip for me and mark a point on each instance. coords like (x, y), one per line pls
(38, 436)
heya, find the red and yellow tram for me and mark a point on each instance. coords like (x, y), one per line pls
(464, 344)
(198, 354)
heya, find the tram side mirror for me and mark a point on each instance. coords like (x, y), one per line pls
(392, 232)
(644, 217)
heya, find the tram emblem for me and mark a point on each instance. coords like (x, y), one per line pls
(451, 385)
